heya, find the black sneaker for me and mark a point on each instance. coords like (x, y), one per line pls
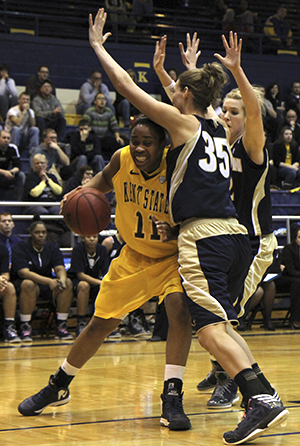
(50, 395)
(173, 415)
(263, 412)
(135, 327)
(225, 393)
(25, 332)
(10, 334)
(61, 332)
(210, 381)
(79, 328)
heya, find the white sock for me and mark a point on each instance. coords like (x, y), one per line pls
(69, 369)
(62, 316)
(174, 371)
(25, 317)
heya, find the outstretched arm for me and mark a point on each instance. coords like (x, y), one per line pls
(254, 136)
(164, 114)
(190, 56)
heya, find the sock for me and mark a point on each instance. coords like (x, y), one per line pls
(249, 384)
(64, 375)
(8, 320)
(25, 317)
(174, 371)
(173, 387)
(62, 317)
(262, 378)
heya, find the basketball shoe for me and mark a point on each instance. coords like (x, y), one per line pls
(263, 412)
(26, 332)
(173, 415)
(210, 381)
(225, 393)
(10, 333)
(61, 332)
(50, 395)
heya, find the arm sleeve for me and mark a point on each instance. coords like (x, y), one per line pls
(56, 188)
(37, 190)
(105, 91)
(88, 93)
(37, 105)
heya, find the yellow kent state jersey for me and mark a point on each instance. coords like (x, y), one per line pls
(138, 197)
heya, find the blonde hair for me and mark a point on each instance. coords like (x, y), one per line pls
(236, 94)
(204, 83)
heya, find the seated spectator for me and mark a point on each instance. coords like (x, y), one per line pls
(224, 15)
(85, 147)
(38, 269)
(80, 177)
(286, 157)
(88, 92)
(278, 30)
(116, 10)
(123, 108)
(173, 73)
(293, 100)
(274, 96)
(10, 169)
(41, 185)
(35, 82)
(48, 110)
(290, 278)
(6, 236)
(9, 298)
(140, 11)
(269, 115)
(55, 156)
(89, 263)
(20, 122)
(290, 121)
(104, 124)
(245, 19)
(8, 92)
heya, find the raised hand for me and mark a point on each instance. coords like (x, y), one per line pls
(96, 29)
(160, 54)
(190, 56)
(232, 60)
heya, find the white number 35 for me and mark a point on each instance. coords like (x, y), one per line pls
(218, 156)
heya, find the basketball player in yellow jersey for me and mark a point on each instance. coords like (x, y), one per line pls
(146, 267)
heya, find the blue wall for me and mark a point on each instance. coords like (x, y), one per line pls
(71, 61)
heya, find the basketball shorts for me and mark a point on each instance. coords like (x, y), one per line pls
(132, 280)
(263, 249)
(214, 258)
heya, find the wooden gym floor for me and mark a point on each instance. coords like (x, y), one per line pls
(115, 397)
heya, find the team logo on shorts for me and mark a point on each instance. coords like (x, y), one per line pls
(162, 179)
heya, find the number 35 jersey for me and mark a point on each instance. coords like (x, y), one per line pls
(138, 197)
(198, 175)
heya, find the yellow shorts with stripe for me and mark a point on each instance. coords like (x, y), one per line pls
(132, 280)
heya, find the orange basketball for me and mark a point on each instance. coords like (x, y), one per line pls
(86, 211)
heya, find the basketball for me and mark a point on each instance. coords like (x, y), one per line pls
(86, 211)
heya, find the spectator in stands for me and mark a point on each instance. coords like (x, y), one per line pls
(49, 111)
(105, 125)
(35, 82)
(33, 261)
(8, 91)
(116, 10)
(123, 107)
(10, 169)
(278, 30)
(80, 177)
(290, 120)
(6, 236)
(274, 96)
(286, 157)
(20, 122)
(9, 298)
(293, 99)
(269, 115)
(224, 15)
(42, 186)
(88, 92)
(89, 263)
(173, 73)
(85, 147)
(290, 278)
(56, 157)
(245, 18)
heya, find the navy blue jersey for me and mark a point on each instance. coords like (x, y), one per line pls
(198, 174)
(80, 262)
(41, 262)
(251, 191)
